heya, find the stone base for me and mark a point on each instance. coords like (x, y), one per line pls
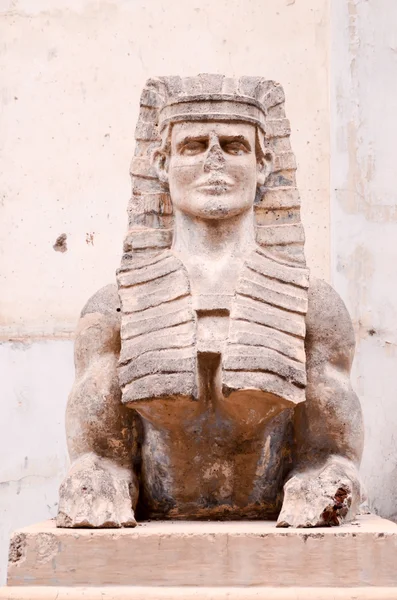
(203, 593)
(219, 560)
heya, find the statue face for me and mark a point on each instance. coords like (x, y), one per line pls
(213, 170)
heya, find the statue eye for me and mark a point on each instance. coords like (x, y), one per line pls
(235, 148)
(193, 147)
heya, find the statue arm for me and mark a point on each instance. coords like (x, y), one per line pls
(101, 487)
(330, 421)
(325, 484)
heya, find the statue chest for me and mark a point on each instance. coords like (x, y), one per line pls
(206, 461)
(232, 347)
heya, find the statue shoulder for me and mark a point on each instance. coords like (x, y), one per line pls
(329, 328)
(98, 331)
(105, 301)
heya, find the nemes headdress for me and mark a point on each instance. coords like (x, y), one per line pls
(168, 100)
(158, 356)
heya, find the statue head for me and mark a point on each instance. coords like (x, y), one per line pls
(213, 147)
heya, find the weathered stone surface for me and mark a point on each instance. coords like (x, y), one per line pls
(96, 493)
(272, 235)
(250, 309)
(205, 593)
(214, 383)
(140, 240)
(241, 554)
(174, 337)
(323, 499)
(271, 292)
(160, 290)
(283, 216)
(157, 319)
(254, 334)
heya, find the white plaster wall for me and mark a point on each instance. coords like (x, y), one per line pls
(35, 381)
(364, 220)
(71, 72)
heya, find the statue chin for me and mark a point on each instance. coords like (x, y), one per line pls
(217, 205)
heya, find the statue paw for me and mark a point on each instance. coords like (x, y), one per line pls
(321, 499)
(97, 493)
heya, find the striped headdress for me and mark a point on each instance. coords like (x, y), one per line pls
(265, 348)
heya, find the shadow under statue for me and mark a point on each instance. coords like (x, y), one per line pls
(213, 381)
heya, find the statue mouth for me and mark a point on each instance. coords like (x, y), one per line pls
(215, 186)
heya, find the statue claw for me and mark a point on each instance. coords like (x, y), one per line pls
(324, 500)
(96, 494)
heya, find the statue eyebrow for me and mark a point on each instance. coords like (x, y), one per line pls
(192, 138)
(225, 139)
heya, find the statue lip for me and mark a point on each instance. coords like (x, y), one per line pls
(217, 184)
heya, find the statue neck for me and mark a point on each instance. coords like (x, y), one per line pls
(213, 251)
(213, 239)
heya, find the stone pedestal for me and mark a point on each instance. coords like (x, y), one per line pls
(219, 560)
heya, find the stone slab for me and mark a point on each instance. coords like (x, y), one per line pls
(188, 593)
(206, 554)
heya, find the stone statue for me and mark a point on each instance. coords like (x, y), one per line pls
(213, 381)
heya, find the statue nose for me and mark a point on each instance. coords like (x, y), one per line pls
(215, 161)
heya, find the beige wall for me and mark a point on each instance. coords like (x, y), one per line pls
(72, 72)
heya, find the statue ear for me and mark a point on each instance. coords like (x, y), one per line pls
(265, 167)
(160, 163)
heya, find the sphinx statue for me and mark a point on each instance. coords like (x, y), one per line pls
(213, 380)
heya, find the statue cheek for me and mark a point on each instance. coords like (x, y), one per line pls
(183, 175)
(243, 170)
(246, 179)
